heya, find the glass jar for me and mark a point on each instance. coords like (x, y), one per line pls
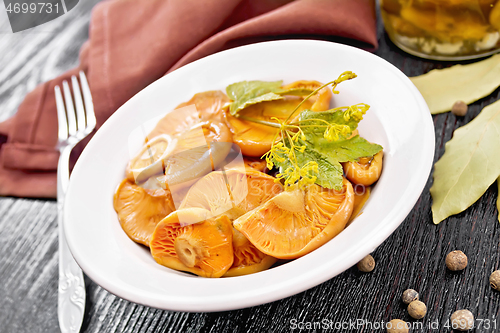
(443, 29)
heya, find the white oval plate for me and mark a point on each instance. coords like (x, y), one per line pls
(399, 120)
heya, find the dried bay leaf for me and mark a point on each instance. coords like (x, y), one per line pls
(443, 87)
(470, 164)
(498, 199)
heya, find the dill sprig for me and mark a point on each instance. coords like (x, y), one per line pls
(292, 139)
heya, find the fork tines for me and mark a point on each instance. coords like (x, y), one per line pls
(75, 114)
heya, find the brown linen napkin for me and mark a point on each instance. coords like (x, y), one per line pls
(133, 43)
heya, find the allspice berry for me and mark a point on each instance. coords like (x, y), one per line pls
(409, 295)
(459, 108)
(456, 261)
(417, 309)
(367, 264)
(495, 280)
(397, 326)
(462, 320)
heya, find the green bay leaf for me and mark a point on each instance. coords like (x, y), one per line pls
(441, 88)
(470, 164)
(246, 93)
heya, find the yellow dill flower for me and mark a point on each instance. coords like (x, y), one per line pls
(290, 176)
(343, 77)
(300, 148)
(356, 111)
(299, 176)
(296, 136)
(334, 131)
(276, 152)
(307, 174)
(269, 163)
(290, 140)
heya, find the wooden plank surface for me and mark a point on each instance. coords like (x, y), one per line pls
(412, 257)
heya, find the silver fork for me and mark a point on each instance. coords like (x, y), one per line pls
(75, 121)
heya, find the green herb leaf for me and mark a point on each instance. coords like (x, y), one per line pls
(328, 156)
(470, 164)
(246, 93)
(310, 150)
(346, 150)
(313, 128)
(441, 88)
(329, 173)
(314, 144)
(294, 91)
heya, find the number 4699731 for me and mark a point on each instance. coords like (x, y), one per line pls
(485, 324)
(33, 8)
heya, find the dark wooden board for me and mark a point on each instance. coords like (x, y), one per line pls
(412, 257)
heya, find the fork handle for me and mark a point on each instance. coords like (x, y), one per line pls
(63, 173)
(71, 295)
